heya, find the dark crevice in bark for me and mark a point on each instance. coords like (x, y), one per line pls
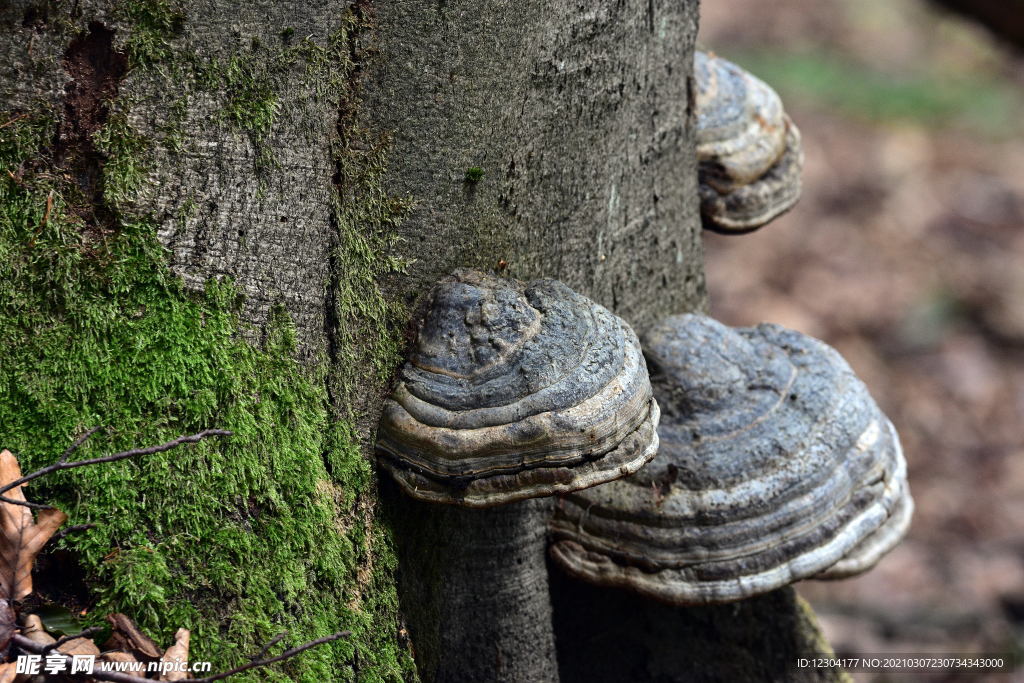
(348, 107)
(346, 123)
(331, 319)
(96, 69)
(36, 18)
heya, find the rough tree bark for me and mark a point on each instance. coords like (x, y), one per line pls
(221, 215)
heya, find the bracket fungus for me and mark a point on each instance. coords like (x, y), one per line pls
(512, 391)
(775, 465)
(749, 153)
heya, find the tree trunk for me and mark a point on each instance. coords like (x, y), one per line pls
(221, 215)
(475, 586)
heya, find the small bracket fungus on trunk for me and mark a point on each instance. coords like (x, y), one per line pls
(511, 391)
(749, 153)
(775, 465)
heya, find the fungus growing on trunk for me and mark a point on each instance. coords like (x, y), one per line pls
(511, 391)
(749, 153)
(514, 391)
(775, 465)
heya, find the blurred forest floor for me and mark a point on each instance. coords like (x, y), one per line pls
(906, 253)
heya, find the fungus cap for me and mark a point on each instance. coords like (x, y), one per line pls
(774, 465)
(516, 390)
(749, 152)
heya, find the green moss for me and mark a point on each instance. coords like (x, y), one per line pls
(125, 166)
(172, 129)
(153, 24)
(369, 325)
(237, 539)
(474, 174)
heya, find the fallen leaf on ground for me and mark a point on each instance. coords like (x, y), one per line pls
(33, 630)
(126, 636)
(177, 653)
(79, 646)
(21, 537)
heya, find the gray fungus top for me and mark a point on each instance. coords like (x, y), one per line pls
(516, 390)
(749, 152)
(774, 465)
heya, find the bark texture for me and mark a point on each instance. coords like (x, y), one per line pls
(475, 587)
(578, 115)
(611, 636)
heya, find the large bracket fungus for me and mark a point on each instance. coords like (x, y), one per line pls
(749, 152)
(775, 465)
(512, 391)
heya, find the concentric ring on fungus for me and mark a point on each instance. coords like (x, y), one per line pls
(749, 152)
(514, 391)
(774, 465)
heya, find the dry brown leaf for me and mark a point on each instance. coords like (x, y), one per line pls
(7, 672)
(79, 646)
(7, 625)
(177, 653)
(126, 636)
(21, 538)
(33, 630)
(120, 657)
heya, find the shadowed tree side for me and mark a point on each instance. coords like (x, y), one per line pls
(608, 635)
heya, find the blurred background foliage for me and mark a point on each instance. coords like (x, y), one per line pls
(885, 61)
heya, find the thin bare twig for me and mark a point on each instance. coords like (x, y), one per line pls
(49, 205)
(16, 118)
(25, 503)
(114, 677)
(78, 442)
(87, 633)
(35, 648)
(266, 648)
(264, 662)
(135, 452)
(71, 530)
